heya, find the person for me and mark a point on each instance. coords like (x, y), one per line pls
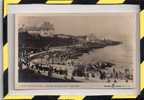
(20, 64)
(86, 72)
(109, 75)
(50, 71)
(120, 75)
(70, 69)
(115, 75)
(127, 75)
(102, 74)
(38, 68)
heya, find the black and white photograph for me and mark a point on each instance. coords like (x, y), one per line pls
(93, 50)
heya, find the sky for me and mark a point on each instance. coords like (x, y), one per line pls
(110, 25)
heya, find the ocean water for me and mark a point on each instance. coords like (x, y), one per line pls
(120, 55)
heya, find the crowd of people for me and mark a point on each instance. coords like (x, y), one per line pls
(101, 71)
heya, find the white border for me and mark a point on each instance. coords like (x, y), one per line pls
(39, 8)
(20, 9)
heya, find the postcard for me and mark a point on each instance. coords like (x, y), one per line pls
(75, 50)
